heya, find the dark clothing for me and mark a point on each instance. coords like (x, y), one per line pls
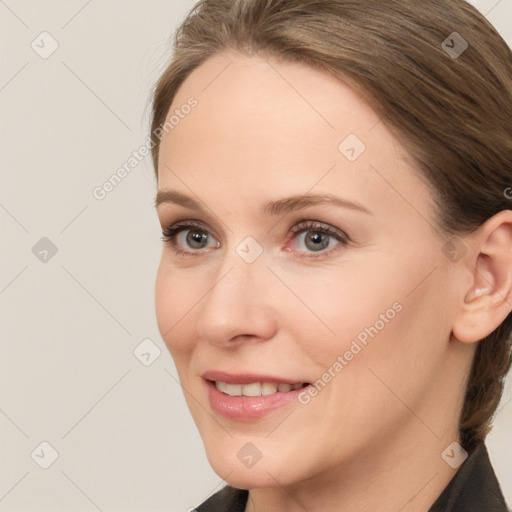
(474, 488)
(228, 499)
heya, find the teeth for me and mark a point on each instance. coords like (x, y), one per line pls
(255, 388)
(221, 386)
(233, 389)
(268, 388)
(251, 389)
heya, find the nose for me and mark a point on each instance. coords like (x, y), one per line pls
(238, 305)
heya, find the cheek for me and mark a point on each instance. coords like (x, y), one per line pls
(175, 297)
(394, 345)
(338, 307)
(369, 312)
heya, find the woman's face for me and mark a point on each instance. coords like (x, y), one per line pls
(299, 256)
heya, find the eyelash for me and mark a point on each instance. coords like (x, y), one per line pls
(170, 233)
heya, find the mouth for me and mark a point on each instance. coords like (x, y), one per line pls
(250, 397)
(257, 388)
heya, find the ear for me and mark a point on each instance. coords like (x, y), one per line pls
(488, 301)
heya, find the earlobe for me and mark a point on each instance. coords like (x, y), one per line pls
(488, 301)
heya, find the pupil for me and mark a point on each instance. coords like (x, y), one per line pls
(195, 238)
(318, 242)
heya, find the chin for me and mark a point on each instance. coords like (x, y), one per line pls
(256, 477)
(244, 466)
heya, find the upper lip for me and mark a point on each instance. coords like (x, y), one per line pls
(246, 378)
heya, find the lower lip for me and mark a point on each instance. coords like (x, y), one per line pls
(248, 408)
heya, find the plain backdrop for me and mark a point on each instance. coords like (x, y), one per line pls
(77, 273)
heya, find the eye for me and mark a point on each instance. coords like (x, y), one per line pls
(188, 238)
(312, 239)
(315, 238)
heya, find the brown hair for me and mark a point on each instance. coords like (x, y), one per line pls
(453, 113)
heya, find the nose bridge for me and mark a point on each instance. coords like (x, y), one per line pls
(236, 303)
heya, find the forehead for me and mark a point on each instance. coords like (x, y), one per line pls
(250, 100)
(262, 124)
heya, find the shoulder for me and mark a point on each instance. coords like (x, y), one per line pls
(227, 499)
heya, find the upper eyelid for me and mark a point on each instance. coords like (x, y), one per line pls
(212, 223)
(303, 224)
(188, 224)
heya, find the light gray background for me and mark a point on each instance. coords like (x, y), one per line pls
(69, 326)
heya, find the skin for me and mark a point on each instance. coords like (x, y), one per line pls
(372, 438)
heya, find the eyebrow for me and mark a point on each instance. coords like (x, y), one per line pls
(270, 208)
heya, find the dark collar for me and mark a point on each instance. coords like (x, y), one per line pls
(474, 488)
(228, 499)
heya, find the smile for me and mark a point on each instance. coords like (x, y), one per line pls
(249, 397)
(256, 388)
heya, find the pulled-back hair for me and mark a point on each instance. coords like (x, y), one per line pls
(451, 111)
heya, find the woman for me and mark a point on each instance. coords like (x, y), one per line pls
(336, 280)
